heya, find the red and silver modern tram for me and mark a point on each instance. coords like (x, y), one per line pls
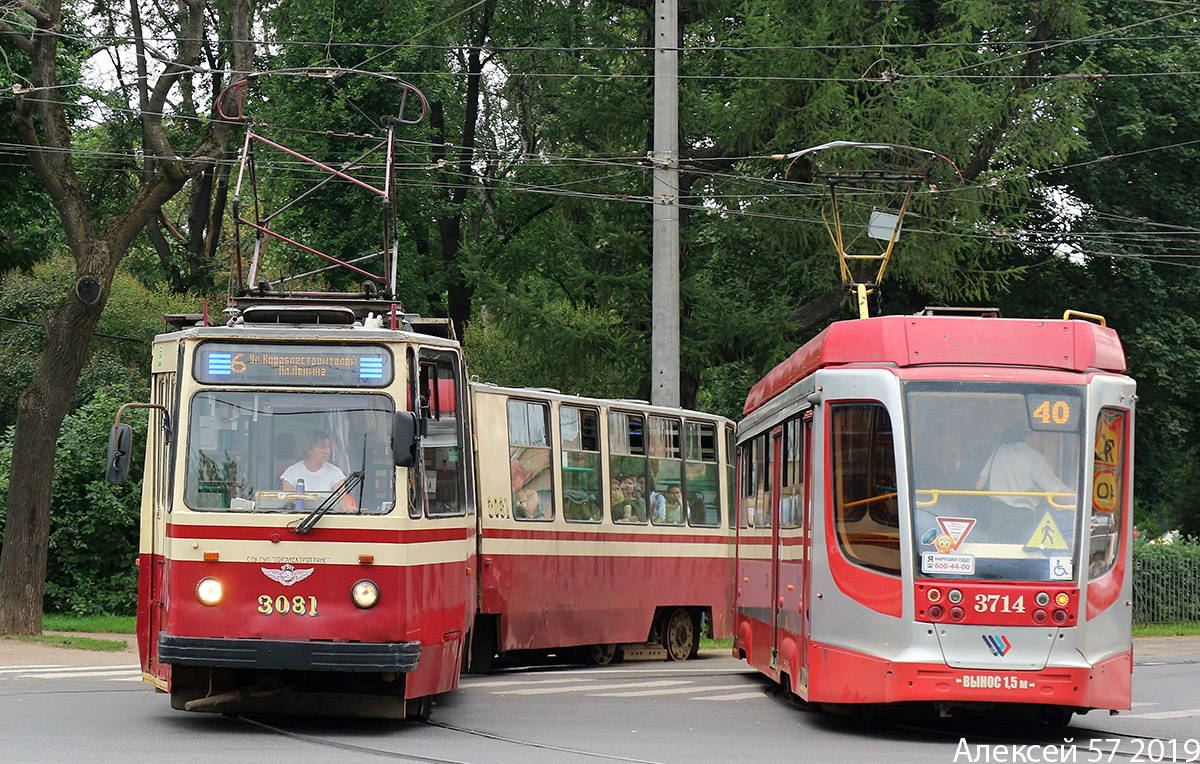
(938, 508)
(603, 524)
(302, 548)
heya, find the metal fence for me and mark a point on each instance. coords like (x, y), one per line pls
(1166, 587)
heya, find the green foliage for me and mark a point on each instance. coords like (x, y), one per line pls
(132, 317)
(1164, 578)
(93, 524)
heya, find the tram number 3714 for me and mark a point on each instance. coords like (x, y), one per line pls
(998, 603)
(283, 605)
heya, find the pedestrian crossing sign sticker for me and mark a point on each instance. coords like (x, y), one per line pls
(1046, 535)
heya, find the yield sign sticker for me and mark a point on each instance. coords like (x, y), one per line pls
(1046, 535)
(956, 528)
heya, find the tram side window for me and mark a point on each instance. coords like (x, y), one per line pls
(701, 474)
(1108, 495)
(442, 471)
(864, 485)
(665, 486)
(583, 498)
(730, 477)
(756, 487)
(529, 460)
(791, 490)
(627, 466)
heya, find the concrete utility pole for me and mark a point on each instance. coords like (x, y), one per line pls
(664, 339)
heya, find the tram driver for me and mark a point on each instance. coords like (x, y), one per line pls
(314, 470)
(1018, 466)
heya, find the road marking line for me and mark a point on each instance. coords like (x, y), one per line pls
(670, 691)
(78, 674)
(735, 696)
(1166, 714)
(585, 687)
(19, 669)
(510, 682)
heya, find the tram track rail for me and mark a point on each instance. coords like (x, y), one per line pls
(422, 759)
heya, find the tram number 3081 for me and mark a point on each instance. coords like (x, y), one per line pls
(998, 603)
(283, 605)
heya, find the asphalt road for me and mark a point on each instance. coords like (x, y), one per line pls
(68, 706)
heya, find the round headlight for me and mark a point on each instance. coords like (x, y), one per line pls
(365, 594)
(209, 591)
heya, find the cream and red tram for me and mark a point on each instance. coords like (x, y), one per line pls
(604, 525)
(256, 593)
(938, 509)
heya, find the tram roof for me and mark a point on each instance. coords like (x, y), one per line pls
(1070, 345)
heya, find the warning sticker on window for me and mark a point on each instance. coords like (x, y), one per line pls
(957, 564)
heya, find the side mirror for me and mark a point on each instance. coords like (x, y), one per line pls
(405, 438)
(120, 442)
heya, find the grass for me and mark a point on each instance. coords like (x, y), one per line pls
(716, 644)
(112, 624)
(1166, 629)
(76, 643)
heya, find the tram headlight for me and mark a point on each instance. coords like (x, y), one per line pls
(1042, 599)
(209, 591)
(365, 594)
(955, 596)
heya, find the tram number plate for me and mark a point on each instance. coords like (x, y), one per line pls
(995, 682)
(284, 605)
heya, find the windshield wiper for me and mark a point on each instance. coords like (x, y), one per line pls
(355, 479)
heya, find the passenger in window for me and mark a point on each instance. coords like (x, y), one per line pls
(658, 506)
(527, 504)
(670, 510)
(697, 510)
(628, 506)
(315, 469)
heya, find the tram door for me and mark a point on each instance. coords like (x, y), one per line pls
(158, 444)
(790, 543)
(775, 519)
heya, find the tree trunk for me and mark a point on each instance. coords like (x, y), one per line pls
(40, 413)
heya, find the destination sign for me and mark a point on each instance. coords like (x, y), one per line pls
(1053, 412)
(298, 365)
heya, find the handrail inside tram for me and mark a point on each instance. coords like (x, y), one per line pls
(1049, 496)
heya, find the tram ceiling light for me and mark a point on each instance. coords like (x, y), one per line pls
(365, 594)
(209, 591)
(955, 596)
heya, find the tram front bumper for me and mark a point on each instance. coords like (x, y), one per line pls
(395, 657)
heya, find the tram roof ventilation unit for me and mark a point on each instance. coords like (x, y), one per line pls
(323, 315)
(944, 310)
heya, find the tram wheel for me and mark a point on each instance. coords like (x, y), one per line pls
(602, 655)
(680, 636)
(419, 708)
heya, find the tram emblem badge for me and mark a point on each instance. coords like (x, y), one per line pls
(998, 645)
(287, 575)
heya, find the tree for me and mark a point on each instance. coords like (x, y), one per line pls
(47, 127)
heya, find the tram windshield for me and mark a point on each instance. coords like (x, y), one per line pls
(276, 451)
(995, 472)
